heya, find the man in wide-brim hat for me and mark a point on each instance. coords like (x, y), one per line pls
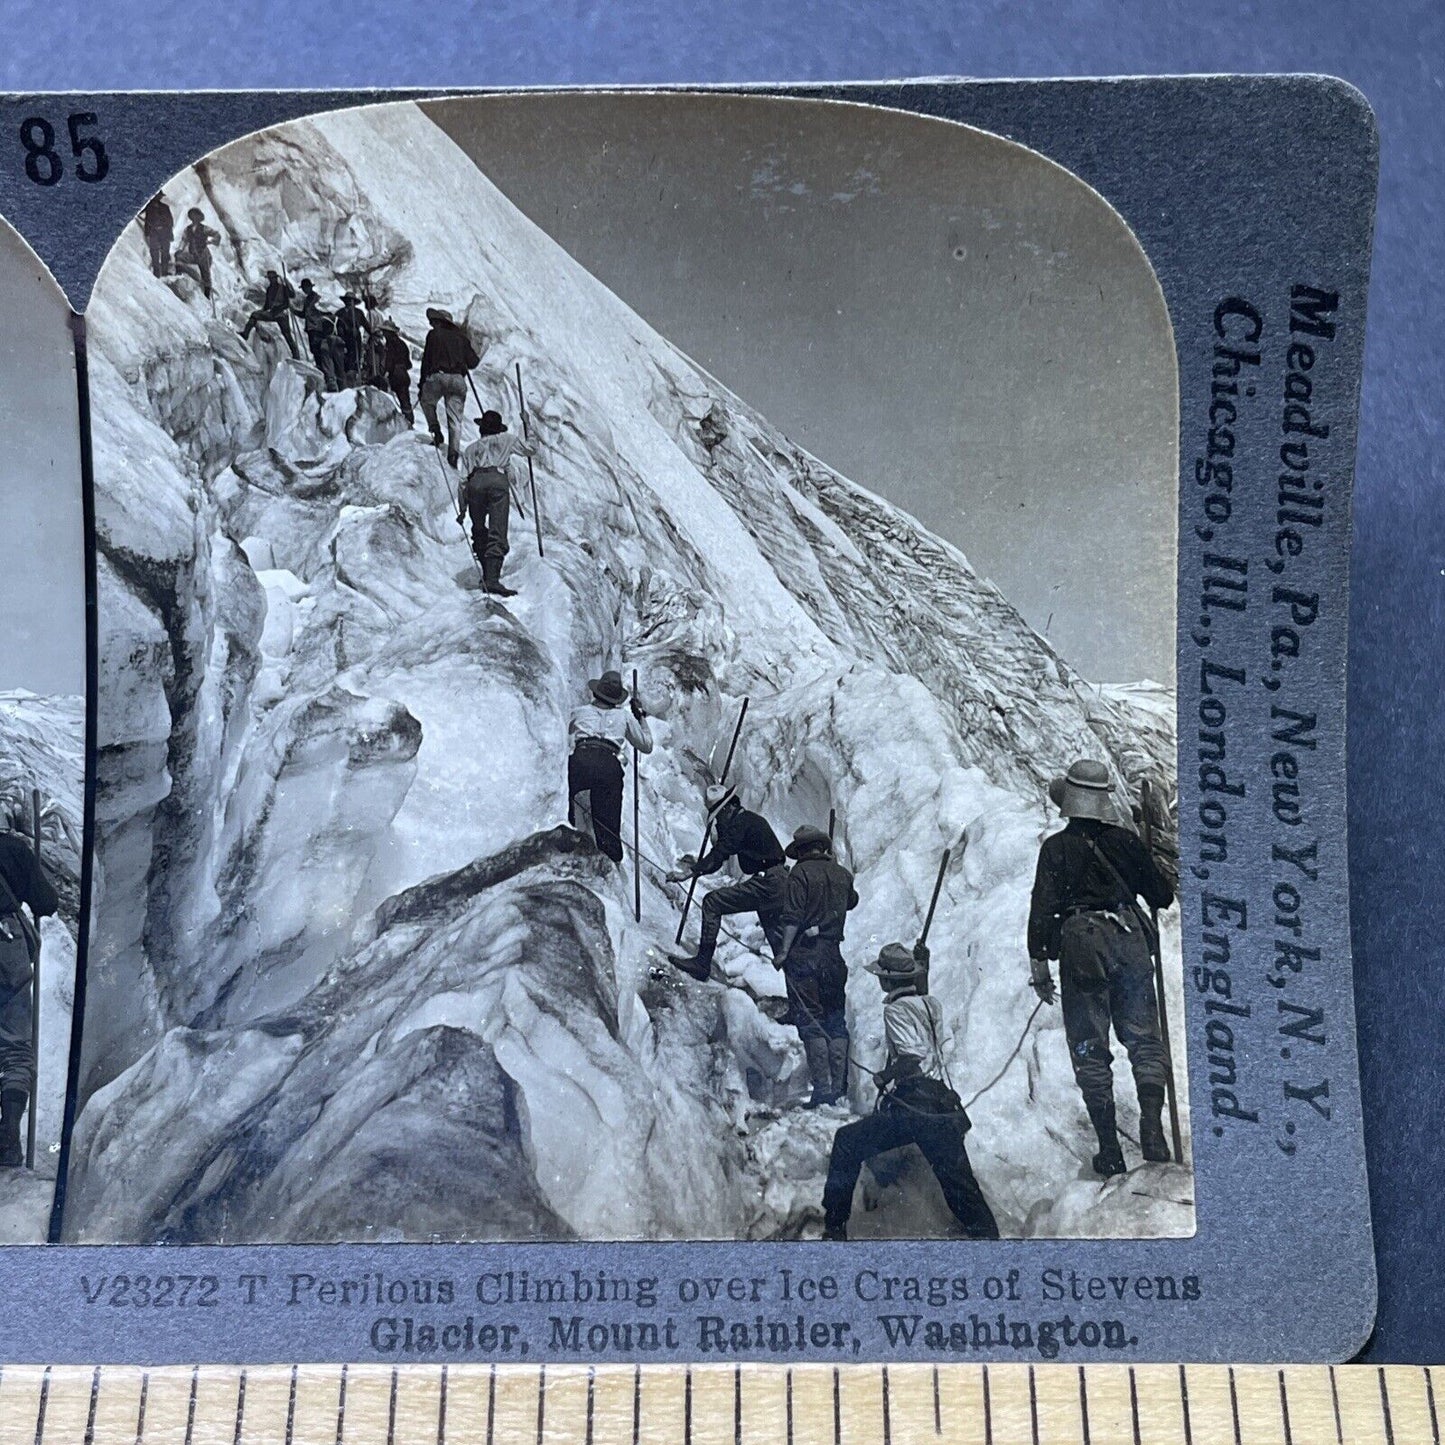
(916, 1103)
(600, 729)
(815, 908)
(1085, 912)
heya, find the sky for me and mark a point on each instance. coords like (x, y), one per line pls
(42, 639)
(942, 316)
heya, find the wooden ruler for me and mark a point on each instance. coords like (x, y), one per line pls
(719, 1405)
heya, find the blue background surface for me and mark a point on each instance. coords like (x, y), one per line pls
(1394, 50)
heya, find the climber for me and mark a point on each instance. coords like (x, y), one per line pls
(600, 728)
(815, 907)
(394, 364)
(916, 1103)
(351, 321)
(275, 308)
(1085, 913)
(159, 226)
(194, 252)
(485, 495)
(320, 329)
(21, 882)
(747, 837)
(446, 359)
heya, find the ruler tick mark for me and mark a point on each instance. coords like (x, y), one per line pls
(94, 1401)
(788, 1405)
(591, 1400)
(636, 1404)
(1430, 1400)
(1335, 1400)
(737, 1405)
(191, 1408)
(1234, 1406)
(1033, 1408)
(291, 1408)
(1184, 1406)
(442, 1411)
(887, 1411)
(240, 1408)
(937, 1410)
(687, 1406)
(1084, 1405)
(1284, 1411)
(1385, 1409)
(391, 1411)
(541, 1404)
(44, 1400)
(140, 1414)
(987, 1411)
(341, 1407)
(1134, 1405)
(491, 1402)
(837, 1408)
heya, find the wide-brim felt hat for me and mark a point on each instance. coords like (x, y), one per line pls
(608, 688)
(894, 961)
(438, 313)
(808, 839)
(1083, 792)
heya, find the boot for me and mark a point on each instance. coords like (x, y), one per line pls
(838, 1066)
(1152, 1142)
(492, 578)
(835, 1231)
(820, 1069)
(1110, 1158)
(696, 965)
(437, 440)
(13, 1103)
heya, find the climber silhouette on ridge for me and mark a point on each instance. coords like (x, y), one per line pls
(446, 359)
(599, 728)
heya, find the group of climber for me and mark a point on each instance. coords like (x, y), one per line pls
(193, 256)
(1085, 912)
(351, 347)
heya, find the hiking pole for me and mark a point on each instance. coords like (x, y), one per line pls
(636, 821)
(531, 475)
(707, 827)
(34, 998)
(937, 889)
(1170, 1089)
(832, 823)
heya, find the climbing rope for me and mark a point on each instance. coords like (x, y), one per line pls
(1017, 1050)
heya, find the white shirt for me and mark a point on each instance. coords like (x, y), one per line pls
(914, 1025)
(494, 451)
(615, 725)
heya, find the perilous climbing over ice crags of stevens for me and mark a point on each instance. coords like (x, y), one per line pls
(595, 749)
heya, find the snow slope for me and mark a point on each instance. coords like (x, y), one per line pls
(351, 978)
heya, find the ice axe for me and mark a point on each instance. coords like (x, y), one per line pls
(707, 827)
(636, 822)
(531, 474)
(933, 902)
(34, 997)
(1146, 829)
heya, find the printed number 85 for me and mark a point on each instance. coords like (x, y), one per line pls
(43, 164)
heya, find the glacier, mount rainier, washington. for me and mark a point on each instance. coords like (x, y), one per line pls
(351, 976)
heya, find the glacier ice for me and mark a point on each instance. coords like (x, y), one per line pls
(351, 976)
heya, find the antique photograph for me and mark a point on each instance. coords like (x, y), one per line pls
(636, 689)
(42, 731)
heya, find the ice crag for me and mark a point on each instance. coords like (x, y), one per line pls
(351, 977)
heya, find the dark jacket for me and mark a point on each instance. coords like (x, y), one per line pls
(748, 836)
(279, 296)
(395, 354)
(1072, 877)
(157, 220)
(820, 893)
(447, 349)
(350, 321)
(23, 877)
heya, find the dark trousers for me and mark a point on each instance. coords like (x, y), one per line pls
(327, 356)
(817, 980)
(489, 504)
(762, 894)
(160, 249)
(1106, 976)
(596, 770)
(940, 1137)
(400, 383)
(279, 319)
(17, 1057)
